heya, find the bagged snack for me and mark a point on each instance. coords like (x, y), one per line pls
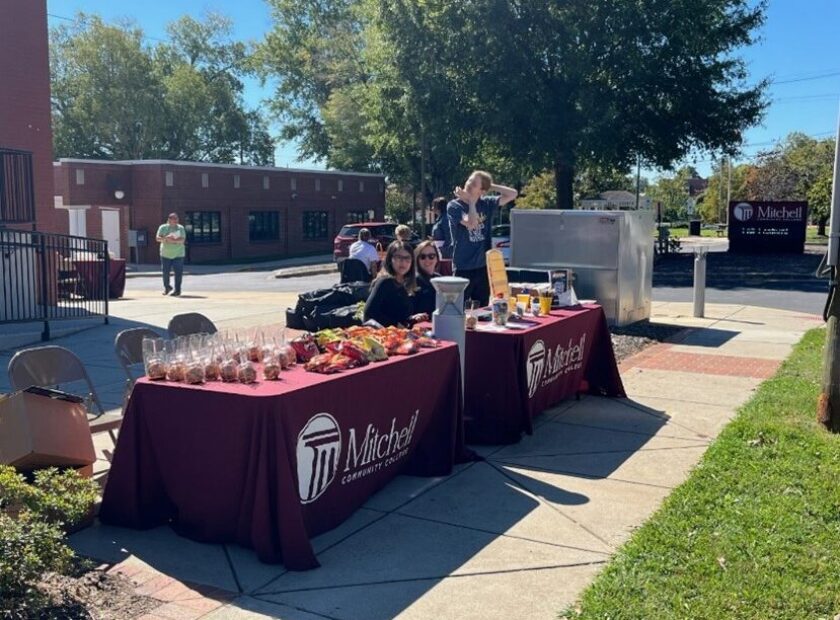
(305, 347)
(194, 374)
(271, 368)
(247, 373)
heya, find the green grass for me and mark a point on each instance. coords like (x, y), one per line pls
(683, 232)
(812, 237)
(755, 530)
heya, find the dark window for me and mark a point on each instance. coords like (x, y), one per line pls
(315, 224)
(203, 226)
(264, 225)
(354, 217)
(388, 230)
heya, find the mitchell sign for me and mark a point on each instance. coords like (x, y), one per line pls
(756, 227)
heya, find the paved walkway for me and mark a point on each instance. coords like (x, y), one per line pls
(518, 535)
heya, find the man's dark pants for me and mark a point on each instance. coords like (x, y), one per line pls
(167, 265)
(479, 287)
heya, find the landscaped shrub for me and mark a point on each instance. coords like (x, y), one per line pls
(32, 521)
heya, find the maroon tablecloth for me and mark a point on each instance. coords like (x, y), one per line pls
(91, 273)
(512, 376)
(271, 465)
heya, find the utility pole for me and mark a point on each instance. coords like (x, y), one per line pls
(728, 188)
(828, 405)
(422, 181)
(638, 179)
(720, 192)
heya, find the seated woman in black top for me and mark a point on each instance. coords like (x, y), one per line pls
(389, 302)
(426, 256)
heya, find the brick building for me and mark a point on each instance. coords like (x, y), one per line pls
(25, 123)
(231, 212)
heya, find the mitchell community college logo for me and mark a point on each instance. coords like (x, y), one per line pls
(535, 367)
(318, 453)
(742, 211)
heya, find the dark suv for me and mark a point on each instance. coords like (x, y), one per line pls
(380, 233)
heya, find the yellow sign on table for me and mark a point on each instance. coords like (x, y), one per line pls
(497, 274)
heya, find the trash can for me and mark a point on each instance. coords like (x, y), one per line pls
(694, 228)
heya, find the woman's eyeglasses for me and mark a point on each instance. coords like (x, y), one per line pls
(427, 256)
(402, 257)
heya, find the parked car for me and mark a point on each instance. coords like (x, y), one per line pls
(500, 240)
(381, 233)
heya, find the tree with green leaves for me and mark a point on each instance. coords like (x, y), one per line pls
(799, 168)
(672, 192)
(315, 50)
(561, 85)
(541, 190)
(712, 205)
(115, 97)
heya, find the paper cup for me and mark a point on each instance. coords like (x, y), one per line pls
(545, 304)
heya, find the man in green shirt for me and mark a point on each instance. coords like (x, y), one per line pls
(171, 237)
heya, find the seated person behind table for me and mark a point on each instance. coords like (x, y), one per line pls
(403, 233)
(389, 302)
(364, 251)
(426, 257)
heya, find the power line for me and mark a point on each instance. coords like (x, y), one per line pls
(70, 19)
(752, 145)
(801, 74)
(835, 96)
(806, 79)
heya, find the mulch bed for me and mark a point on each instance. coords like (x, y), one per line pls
(89, 593)
(631, 339)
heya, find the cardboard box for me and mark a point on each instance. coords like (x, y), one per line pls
(41, 428)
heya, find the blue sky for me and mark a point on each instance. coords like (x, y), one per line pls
(798, 49)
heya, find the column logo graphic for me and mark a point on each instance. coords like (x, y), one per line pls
(742, 211)
(535, 367)
(318, 451)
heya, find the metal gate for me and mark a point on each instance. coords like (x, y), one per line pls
(49, 277)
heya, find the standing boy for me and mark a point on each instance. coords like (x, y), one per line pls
(470, 218)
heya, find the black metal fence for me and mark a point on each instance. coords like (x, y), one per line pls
(17, 197)
(49, 277)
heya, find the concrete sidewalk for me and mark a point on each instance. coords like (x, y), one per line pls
(518, 535)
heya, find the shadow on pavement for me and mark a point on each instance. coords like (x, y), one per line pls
(734, 271)
(504, 516)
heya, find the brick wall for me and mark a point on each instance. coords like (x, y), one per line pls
(150, 200)
(25, 98)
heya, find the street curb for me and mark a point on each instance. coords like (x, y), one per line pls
(297, 273)
(286, 272)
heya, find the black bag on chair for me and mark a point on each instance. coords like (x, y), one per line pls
(313, 308)
(354, 270)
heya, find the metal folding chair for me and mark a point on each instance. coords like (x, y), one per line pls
(190, 323)
(128, 346)
(52, 366)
